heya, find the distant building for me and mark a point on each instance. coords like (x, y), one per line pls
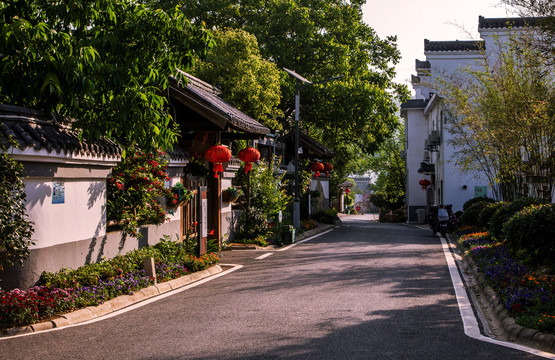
(428, 152)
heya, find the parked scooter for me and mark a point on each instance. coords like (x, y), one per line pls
(443, 220)
(439, 218)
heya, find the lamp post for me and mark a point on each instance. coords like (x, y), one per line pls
(300, 82)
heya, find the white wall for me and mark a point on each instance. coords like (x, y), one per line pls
(81, 216)
(416, 128)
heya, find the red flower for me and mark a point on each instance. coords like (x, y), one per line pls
(211, 232)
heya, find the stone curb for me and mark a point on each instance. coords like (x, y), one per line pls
(512, 331)
(114, 304)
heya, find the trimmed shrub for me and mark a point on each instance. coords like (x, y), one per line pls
(506, 211)
(475, 200)
(328, 216)
(470, 215)
(530, 233)
(487, 213)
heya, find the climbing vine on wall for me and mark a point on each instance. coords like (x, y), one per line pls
(15, 228)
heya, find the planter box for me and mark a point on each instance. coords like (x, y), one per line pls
(288, 236)
(227, 197)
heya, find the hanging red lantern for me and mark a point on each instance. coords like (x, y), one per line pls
(424, 183)
(249, 155)
(327, 168)
(218, 154)
(317, 167)
(347, 191)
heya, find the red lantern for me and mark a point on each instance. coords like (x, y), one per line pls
(218, 154)
(317, 167)
(424, 183)
(249, 155)
(347, 191)
(327, 168)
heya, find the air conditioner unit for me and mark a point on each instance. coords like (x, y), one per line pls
(434, 137)
(427, 156)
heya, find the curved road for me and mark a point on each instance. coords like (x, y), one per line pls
(362, 291)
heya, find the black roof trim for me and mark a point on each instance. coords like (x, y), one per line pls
(457, 45)
(32, 129)
(422, 65)
(500, 23)
(414, 104)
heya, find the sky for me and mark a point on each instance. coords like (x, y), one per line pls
(436, 20)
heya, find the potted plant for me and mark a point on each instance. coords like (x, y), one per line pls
(231, 194)
(288, 234)
(179, 195)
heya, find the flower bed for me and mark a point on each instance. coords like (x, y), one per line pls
(94, 284)
(528, 297)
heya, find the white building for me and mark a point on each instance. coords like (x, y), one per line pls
(428, 151)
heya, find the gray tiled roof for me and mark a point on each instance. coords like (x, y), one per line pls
(422, 65)
(467, 45)
(199, 90)
(311, 144)
(32, 129)
(414, 104)
(499, 23)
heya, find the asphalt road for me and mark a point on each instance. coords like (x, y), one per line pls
(363, 291)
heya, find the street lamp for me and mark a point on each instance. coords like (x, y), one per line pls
(300, 82)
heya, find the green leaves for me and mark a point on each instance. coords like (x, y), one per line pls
(249, 82)
(105, 63)
(320, 39)
(502, 118)
(15, 228)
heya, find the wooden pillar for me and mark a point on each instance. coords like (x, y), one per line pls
(215, 206)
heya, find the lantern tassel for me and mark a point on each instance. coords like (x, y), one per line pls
(248, 167)
(218, 167)
(317, 173)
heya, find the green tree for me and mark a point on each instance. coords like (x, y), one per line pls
(104, 63)
(247, 81)
(320, 39)
(389, 189)
(267, 188)
(502, 119)
(543, 13)
(15, 228)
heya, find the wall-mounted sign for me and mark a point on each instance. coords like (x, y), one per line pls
(58, 192)
(480, 191)
(204, 218)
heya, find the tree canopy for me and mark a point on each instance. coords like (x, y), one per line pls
(320, 39)
(248, 82)
(389, 189)
(544, 12)
(104, 63)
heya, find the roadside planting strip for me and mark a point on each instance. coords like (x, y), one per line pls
(232, 268)
(470, 323)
